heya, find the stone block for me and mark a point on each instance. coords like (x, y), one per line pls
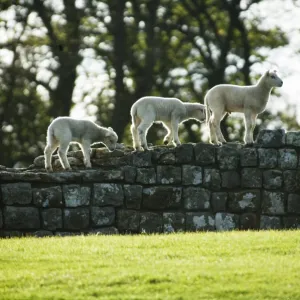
(173, 222)
(1, 219)
(146, 176)
(268, 222)
(76, 195)
(102, 175)
(287, 159)
(48, 196)
(21, 217)
(108, 194)
(163, 156)
(196, 198)
(128, 220)
(249, 157)
(103, 216)
(191, 175)
(151, 222)
(130, 174)
(200, 221)
(271, 138)
(111, 230)
(226, 221)
(230, 179)
(292, 138)
(273, 203)
(40, 233)
(184, 153)
(251, 178)
(16, 193)
(291, 180)
(52, 219)
(161, 197)
(219, 201)
(133, 196)
(249, 221)
(291, 222)
(293, 204)
(267, 158)
(212, 179)
(142, 159)
(228, 158)
(245, 201)
(272, 179)
(76, 218)
(205, 154)
(168, 175)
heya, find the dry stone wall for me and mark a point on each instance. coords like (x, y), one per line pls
(194, 187)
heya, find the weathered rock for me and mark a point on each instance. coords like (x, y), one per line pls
(291, 222)
(40, 233)
(291, 179)
(128, 220)
(271, 138)
(228, 158)
(1, 219)
(173, 222)
(103, 216)
(62, 177)
(21, 217)
(293, 203)
(268, 222)
(251, 178)
(76, 195)
(11, 233)
(133, 196)
(47, 197)
(287, 159)
(212, 179)
(200, 221)
(249, 157)
(168, 175)
(40, 161)
(272, 179)
(191, 175)
(107, 194)
(161, 197)
(205, 154)
(267, 158)
(146, 176)
(219, 201)
(164, 156)
(230, 179)
(184, 153)
(142, 159)
(245, 201)
(129, 174)
(104, 231)
(74, 162)
(273, 203)
(248, 221)
(52, 219)
(112, 161)
(292, 138)
(19, 176)
(16, 193)
(151, 222)
(76, 218)
(102, 175)
(226, 221)
(195, 198)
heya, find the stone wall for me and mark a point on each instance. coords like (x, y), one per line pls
(189, 188)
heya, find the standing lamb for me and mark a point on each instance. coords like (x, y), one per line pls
(250, 100)
(168, 111)
(64, 130)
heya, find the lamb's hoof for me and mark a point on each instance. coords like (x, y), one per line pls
(166, 142)
(249, 144)
(49, 170)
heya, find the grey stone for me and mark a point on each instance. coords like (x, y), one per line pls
(16, 193)
(52, 218)
(245, 201)
(228, 158)
(268, 222)
(248, 221)
(146, 176)
(291, 179)
(249, 157)
(267, 158)
(173, 222)
(251, 178)
(76, 195)
(142, 159)
(104, 231)
(133, 196)
(293, 204)
(76, 218)
(204, 154)
(200, 221)
(272, 179)
(271, 138)
(74, 162)
(273, 203)
(48, 196)
(103, 216)
(61, 177)
(191, 175)
(164, 156)
(112, 161)
(291, 222)
(102, 175)
(108, 194)
(226, 221)
(11, 233)
(195, 198)
(230, 179)
(128, 220)
(212, 179)
(21, 218)
(292, 138)
(40, 233)
(161, 197)
(130, 174)
(184, 153)
(287, 159)
(1, 219)
(219, 201)
(151, 222)
(168, 175)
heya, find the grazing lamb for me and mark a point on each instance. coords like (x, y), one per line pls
(250, 100)
(64, 130)
(168, 111)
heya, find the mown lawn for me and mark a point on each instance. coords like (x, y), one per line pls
(233, 265)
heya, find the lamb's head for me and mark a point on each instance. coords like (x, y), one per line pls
(272, 79)
(110, 139)
(199, 112)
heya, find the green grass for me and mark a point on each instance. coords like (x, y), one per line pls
(233, 265)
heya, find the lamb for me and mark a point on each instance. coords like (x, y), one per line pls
(168, 111)
(250, 100)
(64, 130)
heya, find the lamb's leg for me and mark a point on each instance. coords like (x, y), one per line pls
(174, 126)
(62, 154)
(135, 138)
(169, 136)
(49, 149)
(219, 131)
(142, 132)
(213, 127)
(86, 151)
(250, 119)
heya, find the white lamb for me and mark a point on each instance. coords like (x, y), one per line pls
(168, 111)
(250, 100)
(64, 130)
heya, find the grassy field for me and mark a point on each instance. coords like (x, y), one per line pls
(233, 265)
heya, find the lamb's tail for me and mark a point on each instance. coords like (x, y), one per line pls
(51, 140)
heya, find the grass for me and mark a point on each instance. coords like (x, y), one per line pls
(231, 265)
